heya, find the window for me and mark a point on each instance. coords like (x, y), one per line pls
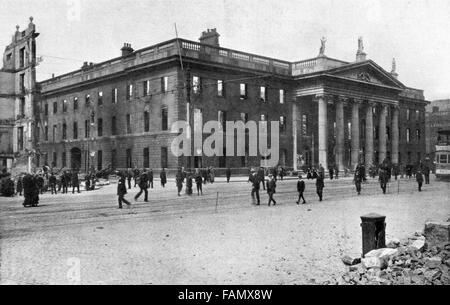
(282, 123)
(86, 129)
(443, 158)
(64, 105)
(55, 107)
(417, 135)
(375, 131)
(196, 84)
(46, 109)
(146, 87)
(129, 160)
(417, 115)
(129, 92)
(113, 126)
(263, 93)
(87, 99)
(64, 131)
(146, 121)
(281, 96)
(63, 159)
(22, 57)
(99, 160)
(128, 123)
(388, 133)
(75, 130)
(20, 138)
(100, 127)
(75, 103)
(8, 57)
(100, 98)
(408, 114)
(54, 133)
(22, 83)
(164, 84)
(164, 157)
(37, 134)
(243, 91)
(244, 117)
(408, 139)
(45, 132)
(304, 125)
(22, 107)
(113, 158)
(222, 118)
(164, 118)
(146, 158)
(114, 96)
(55, 159)
(220, 88)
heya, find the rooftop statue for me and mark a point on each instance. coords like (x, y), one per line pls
(322, 46)
(360, 45)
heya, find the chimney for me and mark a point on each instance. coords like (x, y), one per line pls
(210, 37)
(126, 49)
(394, 69)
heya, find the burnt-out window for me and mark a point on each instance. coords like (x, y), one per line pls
(146, 121)
(164, 119)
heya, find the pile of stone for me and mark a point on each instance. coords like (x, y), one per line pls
(422, 259)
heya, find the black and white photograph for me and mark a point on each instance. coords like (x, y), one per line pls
(196, 143)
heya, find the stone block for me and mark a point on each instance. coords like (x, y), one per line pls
(373, 262)
(384, 253)
(351, 260)
(437, 233)
(417, 245)
(433, 262)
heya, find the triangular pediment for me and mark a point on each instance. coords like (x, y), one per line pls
(366, 71)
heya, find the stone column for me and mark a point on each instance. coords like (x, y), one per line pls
(294, 135)
(340, 133)
(355, 133)
(382, 134)
(395, 135)
(323, 134)
(369, 135)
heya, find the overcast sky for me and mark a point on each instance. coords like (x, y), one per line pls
(416, 33)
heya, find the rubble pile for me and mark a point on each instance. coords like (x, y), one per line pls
(422, 259)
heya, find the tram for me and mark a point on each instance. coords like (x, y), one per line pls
(442, 154)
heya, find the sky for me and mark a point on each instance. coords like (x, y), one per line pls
(415, 32)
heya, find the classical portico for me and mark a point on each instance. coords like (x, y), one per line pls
(352, 111)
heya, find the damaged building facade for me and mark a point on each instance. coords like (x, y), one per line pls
(119, 112)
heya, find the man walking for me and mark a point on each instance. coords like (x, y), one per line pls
(358, 180)
(52, 183)
(163, 177)
(300, 189)
(319, 186)
(254, 179)
(150, 178)
(64, 182)
(419, 179)
(75, 182)
(136, 175)
(199, 182)
(382, 177)
(228, 174)
(19, 187)
(261, 177)
(271, 186)
(143, 185)
(179, 181)
(122, 190)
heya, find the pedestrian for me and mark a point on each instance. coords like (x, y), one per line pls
(129, 175)
(52, 182)
(199, 182)
(212, 174)
(87, 181)
(271, 189)
(179, 181)
(321, 171)
(40, 182)
(228, 174)
(419, 179)
(261, 177)
(189, 183)
(336, 172)
(426, 173)
(19, 187)
(75, 182)
(300, 189)
(122, 191)
(143, 185)
(64, 182)
(30, 191)
(150, 178)
(163, 177)
(358, 180)
(319, 186)
(136, 175)
(254, 179)
(281, 173)
(382, 178)
(331, 172)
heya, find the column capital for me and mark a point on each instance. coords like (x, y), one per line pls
(370, 103)
(325, 96)
(395, 106)
(357, 101)
(343, 99)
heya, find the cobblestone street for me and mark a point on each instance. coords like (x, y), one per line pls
(188, 240)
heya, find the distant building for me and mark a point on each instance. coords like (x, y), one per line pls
(437, 118)
(330, 112)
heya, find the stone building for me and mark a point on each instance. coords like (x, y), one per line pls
(437, 118)
(330, 112)
(17, 93)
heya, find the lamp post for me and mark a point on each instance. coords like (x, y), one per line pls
(92, 153)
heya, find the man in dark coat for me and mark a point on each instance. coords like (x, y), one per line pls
(261, 177)
(228, 174)
(150, 178)
(30, 191)
(358, 180)
(189, 183)
(382, 178)
(136, 175)
(19, 187)
(179, 178)
(75, 182)
(426, 173)
(199, 182)
(143, 185)
(271, 189)
(300, 189)
(52, 183)
(87, 181)
(331, 172)
(254, 179)
(40, 182)
(419, 179)
(163, 177)
(122, 190)
(64, 182)
(319, 186)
